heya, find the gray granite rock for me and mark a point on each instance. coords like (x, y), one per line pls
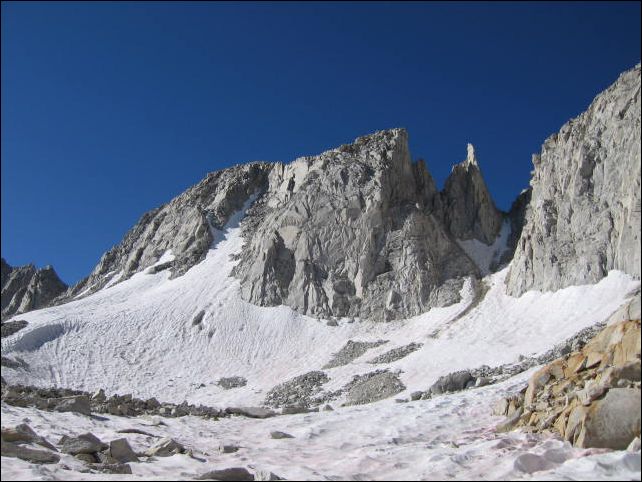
(165, 447)
(188, 226)
(351, 351)
(354, 231)
(86, 443)
(396, 353)
(77, 404)
(228, 383)
(372, 387)
(30, 455)
(26, 288)
(297, 391)
(468, 209)
(11, 327)
(232, 473)
(584, 215)
(122, 451)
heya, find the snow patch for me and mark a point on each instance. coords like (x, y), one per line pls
(484, 255)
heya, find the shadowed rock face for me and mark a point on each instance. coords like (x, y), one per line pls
(469, 210)
(584, 216)
(355, 231)
(26, 288)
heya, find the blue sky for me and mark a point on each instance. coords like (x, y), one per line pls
(111, 109)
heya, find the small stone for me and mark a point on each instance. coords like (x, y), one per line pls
(165, 448)
(113, 468)
(416, 395)
(228, 449)
(99, 396)
(230, 474)
(86, 458)
(280, 435)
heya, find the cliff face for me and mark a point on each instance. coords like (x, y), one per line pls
(355, 231)
(26, 288)
(584, 216)
(362, 231)
(469, 210)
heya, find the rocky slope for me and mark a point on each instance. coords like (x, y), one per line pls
(584, 216)
(356, 231)
(26, 288)
(359, 231)
(589, 397)
(177, 235)
(362, 231)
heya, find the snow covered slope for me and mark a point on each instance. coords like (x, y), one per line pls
(143, 336)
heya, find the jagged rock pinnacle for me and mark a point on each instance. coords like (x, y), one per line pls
(471, 160)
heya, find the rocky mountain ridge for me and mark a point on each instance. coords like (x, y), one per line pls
(26, 288)
(362, 231)
(584, 216)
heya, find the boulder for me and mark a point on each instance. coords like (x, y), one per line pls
(86, 443)
(251, 412)
(165, 448)
(22, 433)
(30, 455)
(280, 435)
(612, 422)
(121, 451)
(453, 382)
(228, 449)
(99, 396)
(78, 404)
(230, 474)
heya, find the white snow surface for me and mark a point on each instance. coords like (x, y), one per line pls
(449, 437)
(484, 255)
(137, 336)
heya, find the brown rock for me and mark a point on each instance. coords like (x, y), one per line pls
(575, 364)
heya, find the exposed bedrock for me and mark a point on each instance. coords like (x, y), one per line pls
(355, 231)
(584, 215)
(27, 288)
(187, 225)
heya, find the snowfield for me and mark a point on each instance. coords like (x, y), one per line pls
(448, 437)
(139, 336)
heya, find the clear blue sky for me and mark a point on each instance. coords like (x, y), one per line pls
(111, 109)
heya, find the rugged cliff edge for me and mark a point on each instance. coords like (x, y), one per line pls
(178, 234)
(584, 215)
(362, 231)
(26, 288)
(356, 231)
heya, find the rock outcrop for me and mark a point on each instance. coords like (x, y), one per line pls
(26, 288)
(590, 397)
(355, 231)
(468, 209)
(584, 216)
(178, 234)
